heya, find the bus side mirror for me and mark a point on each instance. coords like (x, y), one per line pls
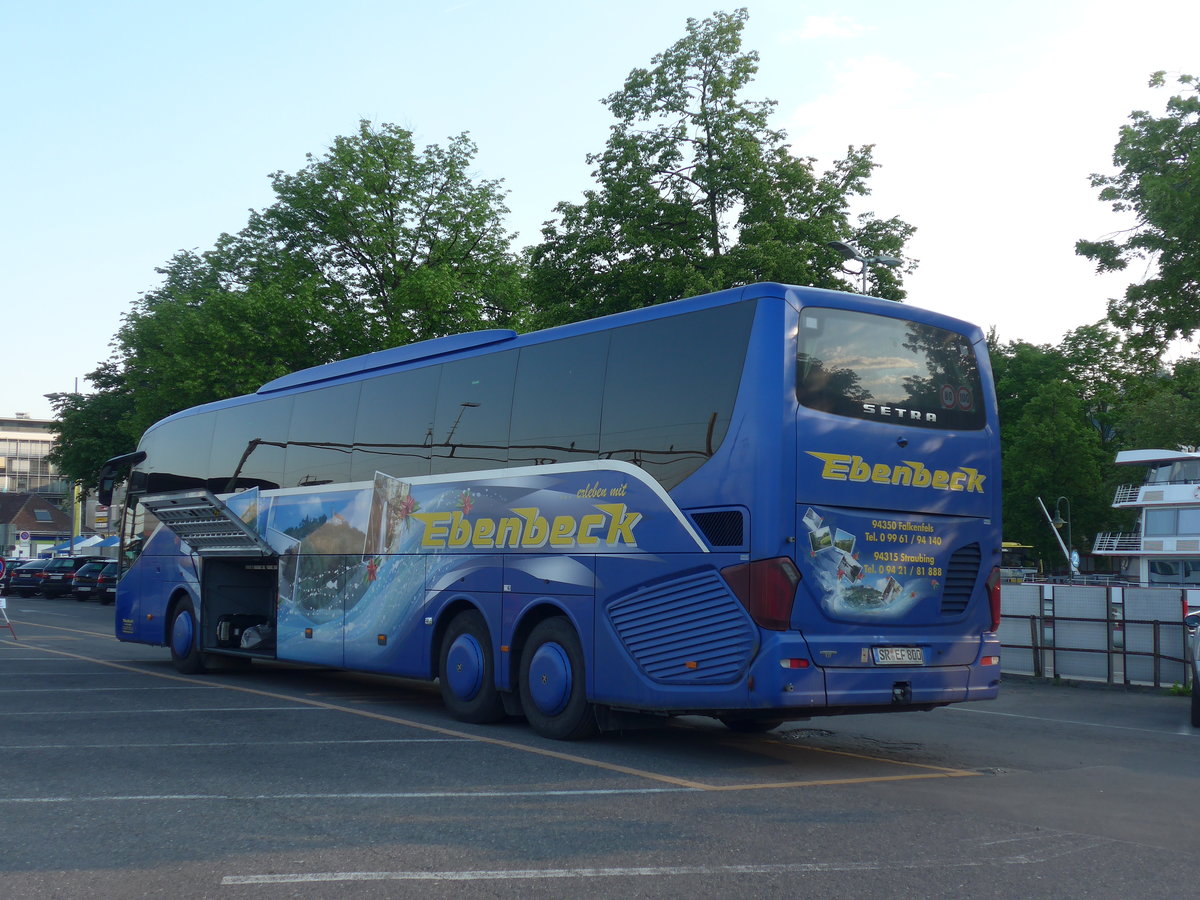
(104, 493)
(108, 474)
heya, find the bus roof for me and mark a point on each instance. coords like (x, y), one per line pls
(450, 345)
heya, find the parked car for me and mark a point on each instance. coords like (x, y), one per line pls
(96, 581)
(10, 566)
(57, 576)
(26, 579)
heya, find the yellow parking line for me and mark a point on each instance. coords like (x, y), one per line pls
(938, 771)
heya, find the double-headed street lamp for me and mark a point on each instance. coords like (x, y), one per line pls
(850, 253)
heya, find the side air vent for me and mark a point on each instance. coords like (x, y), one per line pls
(960, 580)
(721, 527)
(689, 630)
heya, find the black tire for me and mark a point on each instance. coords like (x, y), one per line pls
(1195, 701)
(467, 670)
(751, 726)
(184, 639)
(553, 683)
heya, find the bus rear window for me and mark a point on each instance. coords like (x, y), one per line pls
(875, 367)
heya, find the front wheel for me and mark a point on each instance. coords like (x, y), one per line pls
(1195, 701)
(553, 683)
(467, 671)
(185, 639)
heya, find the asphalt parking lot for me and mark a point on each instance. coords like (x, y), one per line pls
(124, 778)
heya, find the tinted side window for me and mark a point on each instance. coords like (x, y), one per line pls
(557, 400)
(249, 445)
(176, 456)
(321, 436)
(394, 433)
(671, 387)
(470, 428)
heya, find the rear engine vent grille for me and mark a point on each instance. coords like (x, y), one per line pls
(689, 630)
(960, 580)
(722, 527)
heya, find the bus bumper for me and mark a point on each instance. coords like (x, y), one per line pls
(784, 677)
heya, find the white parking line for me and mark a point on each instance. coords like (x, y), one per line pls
(175, 710)
(93, 690)
(648, 871)
(1184, 730)
(352, 795)
(195, 744)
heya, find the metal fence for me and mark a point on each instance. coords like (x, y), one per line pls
(1105, 633)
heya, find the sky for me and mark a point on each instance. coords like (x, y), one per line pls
(132, 130)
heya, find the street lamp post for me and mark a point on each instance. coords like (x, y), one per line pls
(1058, 523)
(850, 253)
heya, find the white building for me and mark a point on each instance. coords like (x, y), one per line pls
(24, 444)
(1165, 549)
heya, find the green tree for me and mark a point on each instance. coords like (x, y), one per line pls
(1019, 370)
(696, 192)
(1162, 411)
(1103, 367)
(90, 428)
(411, 245)
(373, 245)
(1159, 184)
(1054, 452)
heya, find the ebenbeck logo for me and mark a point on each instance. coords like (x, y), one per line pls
(844, 467)
(612, 526)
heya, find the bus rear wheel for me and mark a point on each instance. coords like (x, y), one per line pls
(553, 683)
(467, 671)
(184, 639)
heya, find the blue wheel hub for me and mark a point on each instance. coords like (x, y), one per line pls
(464, 667)
(183, 634)
(550, 678)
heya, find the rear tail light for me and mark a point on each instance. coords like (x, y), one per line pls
(993, 586)
(767, 588)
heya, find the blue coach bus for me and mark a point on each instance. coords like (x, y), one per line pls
(763, 504)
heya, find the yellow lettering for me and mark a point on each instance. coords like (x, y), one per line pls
(837, 465)
(436, 528)
(844, 467)
(485, 529)
(509, 533)
(620, 525)
(562, 532)
(921, 475)
(859, 471)
(587, 525)
(460, 531)
(537, 529)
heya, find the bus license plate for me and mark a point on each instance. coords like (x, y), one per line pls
(899, 656)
